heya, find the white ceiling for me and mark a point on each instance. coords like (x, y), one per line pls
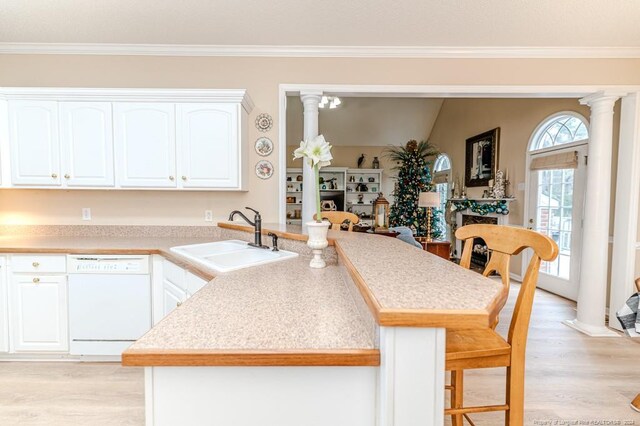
(446, 23)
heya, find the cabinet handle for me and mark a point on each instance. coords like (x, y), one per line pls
(67, 176)
(171, 178)
(178, 304)
(54, 175)
(36, 280)
(35, 264)
(184, 178)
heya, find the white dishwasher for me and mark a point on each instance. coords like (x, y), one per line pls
(109, 302)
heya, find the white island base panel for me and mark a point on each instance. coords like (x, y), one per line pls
(406, 390)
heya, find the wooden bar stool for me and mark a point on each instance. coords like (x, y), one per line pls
(338, 218)
(484, 348)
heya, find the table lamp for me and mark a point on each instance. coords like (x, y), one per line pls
(429, 200)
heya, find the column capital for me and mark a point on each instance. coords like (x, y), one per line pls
(311, 95)
(604, 97)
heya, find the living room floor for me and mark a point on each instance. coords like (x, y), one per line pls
(570, 377)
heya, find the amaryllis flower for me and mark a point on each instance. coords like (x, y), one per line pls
(317, 151)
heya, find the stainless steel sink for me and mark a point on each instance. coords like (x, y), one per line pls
(231, 255)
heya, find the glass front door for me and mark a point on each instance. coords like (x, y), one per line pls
(556, 200)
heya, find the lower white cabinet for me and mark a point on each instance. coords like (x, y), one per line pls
(172, 296)
(39, 313)
(178, 285)
(4, 307)
(194, 283)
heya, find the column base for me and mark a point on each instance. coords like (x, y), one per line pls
(590, 330)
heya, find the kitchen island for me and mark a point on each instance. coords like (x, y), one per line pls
(361, 342)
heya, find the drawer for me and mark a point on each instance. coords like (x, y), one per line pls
(194, 283)
(39, 263)
(174, 274)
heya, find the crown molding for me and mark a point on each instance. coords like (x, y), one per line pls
(239, 96)
(318, 51)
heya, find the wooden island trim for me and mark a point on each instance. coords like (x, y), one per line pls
(256, 358)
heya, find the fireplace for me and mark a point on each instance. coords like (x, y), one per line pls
(480, 252)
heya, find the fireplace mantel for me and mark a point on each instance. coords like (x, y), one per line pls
(502, 219)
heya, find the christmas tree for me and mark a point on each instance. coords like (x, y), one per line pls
(414, 177)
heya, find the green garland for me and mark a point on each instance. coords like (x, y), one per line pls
(498, 207)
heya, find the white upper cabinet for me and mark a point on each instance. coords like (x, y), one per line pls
(86, 136)
(145, 145)
(162, 139)
(34, 143)
(208, 145)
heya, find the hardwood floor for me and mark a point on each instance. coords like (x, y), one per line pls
(70, 394)
(570, 377)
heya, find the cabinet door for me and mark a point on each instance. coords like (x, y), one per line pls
(34, 143)
(86, 138)
(4, 306)
(194, 283)
(145, 145)
(209, 145)
(172, 297)
(39, 313)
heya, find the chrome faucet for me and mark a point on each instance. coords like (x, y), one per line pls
(257, 225)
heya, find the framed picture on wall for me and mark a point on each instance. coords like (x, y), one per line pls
(481, 158)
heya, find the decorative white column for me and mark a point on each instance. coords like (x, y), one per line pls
(625, 226)
(592, 291)
(310, 101)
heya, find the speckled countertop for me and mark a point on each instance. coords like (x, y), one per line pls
(280, 306)
(405, 285)
(403, 277)
(287, 313)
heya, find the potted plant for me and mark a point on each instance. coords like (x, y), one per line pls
(317, 152)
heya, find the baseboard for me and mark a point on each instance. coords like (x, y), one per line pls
(515, 277)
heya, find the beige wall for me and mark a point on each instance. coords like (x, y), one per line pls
(261, 76)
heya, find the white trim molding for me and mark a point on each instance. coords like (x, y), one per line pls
(320, 51)
(129, 95)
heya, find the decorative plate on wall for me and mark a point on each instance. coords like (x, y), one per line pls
(264, 122)
(264, 169)
(264, 146)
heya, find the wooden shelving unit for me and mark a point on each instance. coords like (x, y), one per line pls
(345, 194)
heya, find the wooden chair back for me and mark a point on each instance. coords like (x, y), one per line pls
(338, 218)
(504, 242)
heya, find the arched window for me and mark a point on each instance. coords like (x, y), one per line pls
(441, 174)
(442, 164)
(559, 129)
